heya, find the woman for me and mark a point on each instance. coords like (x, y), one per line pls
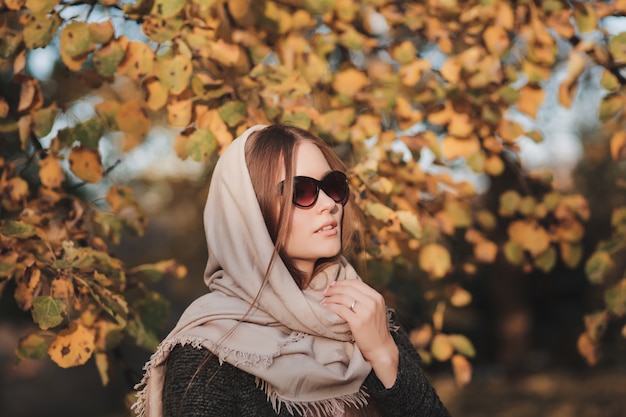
(288, 327)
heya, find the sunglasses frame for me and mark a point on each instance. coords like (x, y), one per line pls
(319, 185)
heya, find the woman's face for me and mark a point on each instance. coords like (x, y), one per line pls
(313, 232)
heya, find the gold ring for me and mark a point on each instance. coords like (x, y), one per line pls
(352, 306)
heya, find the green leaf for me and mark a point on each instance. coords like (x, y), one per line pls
(107, 58)
(585, 17)
(153, 310)
(8, 262)
(40, 29)
(48, 311)
(160, 29)
(379, 211)
(298, 118)
(509, 203)
(17, 229)
(108, 226)
(141, 336)
(32, 346)
(513, 252)
(609, 81)
(114, 304)
(410, 223)
(75, 38)
(618, 219)
(167, 8)
(155, 272)
(462, 345)
(87, 133)
(610, 106)
(617, 48)
(615, 298)
(38, 6)
(200, 145)
(9, 44)
(43, 120)
(546, 260)
(232, 113)
(598, 266)
(74, 257)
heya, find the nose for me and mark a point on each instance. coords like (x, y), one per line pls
(324, 202)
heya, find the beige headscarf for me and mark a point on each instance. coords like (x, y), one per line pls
(300, 352)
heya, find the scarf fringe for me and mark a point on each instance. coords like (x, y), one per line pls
(222, 352)
(325, 408)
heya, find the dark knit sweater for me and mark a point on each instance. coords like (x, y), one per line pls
(226, 391)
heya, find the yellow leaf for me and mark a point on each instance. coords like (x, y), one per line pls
(175, 73)
(314, 69)
(101, 32)
(411, 73)
(435, 260)
(156, 97)
(451, 70)
(421, 337)
(486, 251)
(509, 130)
(460, 212)
(530, 236)
(589, 349)
(460, 297)
(102, 363)
(460, 125)
(212, 121)
(132, 118)
(496, 40)
(349, 82)
(453, 147)
(138, 61)
(17, 189)
(72, 346)
(406, 114)
(180, 145)
(530, 99)
(462, 370)
(31, 97)
(441, 348)
(404, 52)
(179, 112)
(62, 288)
(585, 17)
(50, 172)
(85, 164)
(226, 54)
(410, 223)
(618, 146)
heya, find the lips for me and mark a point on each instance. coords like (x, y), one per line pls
(326, 227)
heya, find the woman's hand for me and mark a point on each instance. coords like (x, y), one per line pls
(365, 312)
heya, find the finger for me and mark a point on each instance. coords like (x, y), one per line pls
(357, 288)
(349, 301)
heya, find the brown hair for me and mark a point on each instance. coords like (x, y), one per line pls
(265, 151)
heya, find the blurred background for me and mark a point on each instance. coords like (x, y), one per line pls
(458, 119)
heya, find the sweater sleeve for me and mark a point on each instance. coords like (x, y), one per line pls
(411, 395)
(189, 393)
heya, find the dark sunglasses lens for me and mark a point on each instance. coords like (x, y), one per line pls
(304, 192)
(335, 185)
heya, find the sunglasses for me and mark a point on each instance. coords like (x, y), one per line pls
(307, 189)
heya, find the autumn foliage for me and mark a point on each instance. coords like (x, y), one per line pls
(386, 82)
